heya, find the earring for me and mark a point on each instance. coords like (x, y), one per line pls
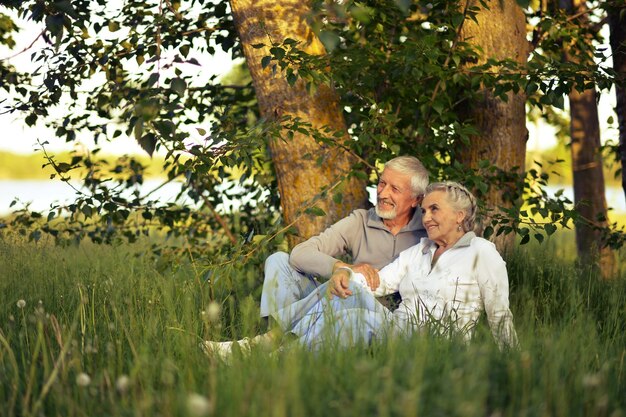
(458, 227)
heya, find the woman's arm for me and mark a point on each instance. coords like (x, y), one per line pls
(493, 282)
(390, 276)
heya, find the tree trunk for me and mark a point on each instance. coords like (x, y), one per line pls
(617, 37)
(589, 189)
(300, 176)
(501, 33)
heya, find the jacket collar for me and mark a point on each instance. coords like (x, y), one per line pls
(464, 241)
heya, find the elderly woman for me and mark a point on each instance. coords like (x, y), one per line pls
(446, 282)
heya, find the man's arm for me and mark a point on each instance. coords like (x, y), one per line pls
(318, 255)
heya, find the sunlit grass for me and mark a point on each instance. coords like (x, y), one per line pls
(101, 331)
(35, 166)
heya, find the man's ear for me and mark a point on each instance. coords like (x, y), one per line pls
(418, 201)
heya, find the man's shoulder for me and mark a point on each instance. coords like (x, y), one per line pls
(360, 219)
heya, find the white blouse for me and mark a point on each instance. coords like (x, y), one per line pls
(468, 278)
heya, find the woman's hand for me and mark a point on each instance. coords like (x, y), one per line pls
(368, 271)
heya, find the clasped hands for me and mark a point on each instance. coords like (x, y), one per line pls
(339, 282)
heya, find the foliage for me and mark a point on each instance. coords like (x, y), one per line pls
(399, 67)
(102, 330)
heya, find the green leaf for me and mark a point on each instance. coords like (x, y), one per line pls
(329, 39)
(278, 52)
(31, 119)
(525, 240)
(154, 77)
(403, 5)
(549, 228)
(138, 129)
(63, 167)
(34, 235)
(291, 78)
(54, 24)
(113, 26)
(438, 106)
(265, 61)
(559, 102)
(315, 211)
(87, 210)
(148, 143)
(524, 4)
(362, 13)
(184, 50)
(179, 86)
(66, 7)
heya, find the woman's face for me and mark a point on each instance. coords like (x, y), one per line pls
(440, 219)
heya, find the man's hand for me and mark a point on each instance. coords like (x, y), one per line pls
(338, 283)
(368, 271)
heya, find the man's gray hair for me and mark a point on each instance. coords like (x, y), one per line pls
(412, 166)
(460, 198)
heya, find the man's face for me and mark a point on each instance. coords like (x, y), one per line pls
(394, 195)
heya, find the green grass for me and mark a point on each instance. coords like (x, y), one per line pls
(109, 313)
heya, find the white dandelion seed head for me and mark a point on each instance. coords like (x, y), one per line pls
(590, 381)
(21, 303)
(198, 405)
(83, 380)
(122, 383)
(213, 312)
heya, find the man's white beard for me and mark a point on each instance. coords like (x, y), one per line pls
(386, 214)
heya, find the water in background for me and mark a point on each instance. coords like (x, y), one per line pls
(41, 194)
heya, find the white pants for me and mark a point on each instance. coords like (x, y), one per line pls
(283, 285)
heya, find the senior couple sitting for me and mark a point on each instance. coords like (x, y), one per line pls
(417, 241)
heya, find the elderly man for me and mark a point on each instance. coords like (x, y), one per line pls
(373, 238)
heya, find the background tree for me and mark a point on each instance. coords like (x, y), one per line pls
(499, 33)
(589, 187)
(305, 168)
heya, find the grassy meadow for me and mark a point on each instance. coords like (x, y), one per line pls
(104, 331)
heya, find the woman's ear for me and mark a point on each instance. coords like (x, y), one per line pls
(460, 216)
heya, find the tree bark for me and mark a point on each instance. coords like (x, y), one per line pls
(617, 37)
(500, 33)
(300, 176)
(589, 188)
